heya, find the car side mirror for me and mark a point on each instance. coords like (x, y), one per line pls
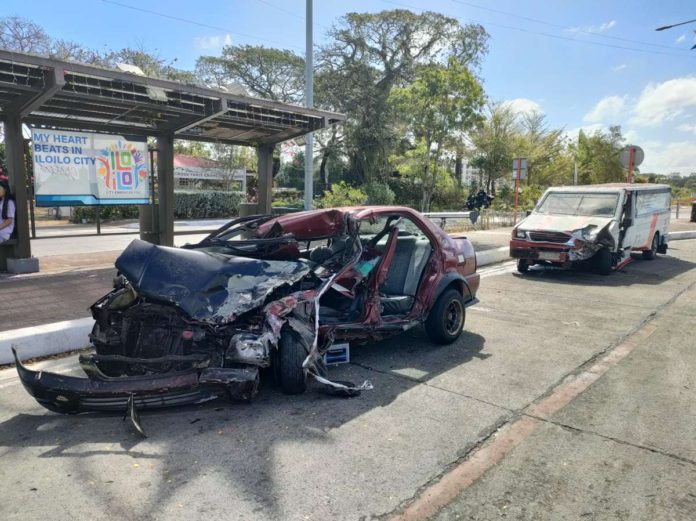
(528, 213)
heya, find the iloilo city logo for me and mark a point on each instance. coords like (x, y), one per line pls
(122, 167)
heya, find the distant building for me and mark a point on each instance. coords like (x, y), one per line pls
(469, 174)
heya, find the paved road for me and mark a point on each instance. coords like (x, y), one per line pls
(622, 449)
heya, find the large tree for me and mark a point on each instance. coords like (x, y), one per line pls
(367, 55)
(273, 74)
(597, 156)
(494, 144)
(441, 102)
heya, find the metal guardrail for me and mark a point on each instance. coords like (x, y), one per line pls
(443, 216)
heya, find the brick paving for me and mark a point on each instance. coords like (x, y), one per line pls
(40, 299)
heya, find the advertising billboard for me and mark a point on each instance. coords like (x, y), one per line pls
(83, 168)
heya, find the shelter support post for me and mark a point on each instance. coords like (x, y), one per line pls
(265, 173)
(165, 180)
(17, 176)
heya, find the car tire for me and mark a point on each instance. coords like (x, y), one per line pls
(603, 262)
(652, 252)
(290, 375)
(446, 319)
(522, 265)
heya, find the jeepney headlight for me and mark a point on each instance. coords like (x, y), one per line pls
(589, 233)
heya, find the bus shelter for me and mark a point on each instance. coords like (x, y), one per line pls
(54, 94)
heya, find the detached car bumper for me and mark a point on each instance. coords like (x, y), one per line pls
(72, 395)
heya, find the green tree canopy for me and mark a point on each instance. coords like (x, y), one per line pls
(441, 101)
(273, 74)
(369, 54)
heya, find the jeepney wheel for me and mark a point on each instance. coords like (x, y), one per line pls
(603, 261)
(652, 252)
(522, 265)
(446, 320)
(288, 359)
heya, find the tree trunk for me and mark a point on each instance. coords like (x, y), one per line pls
(426, 176)
(458, 167)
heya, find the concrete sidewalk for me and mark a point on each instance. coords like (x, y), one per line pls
(623, 449)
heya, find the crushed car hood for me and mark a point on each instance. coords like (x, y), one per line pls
(210, 287)
(562, 223)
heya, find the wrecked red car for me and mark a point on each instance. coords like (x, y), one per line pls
(186, 325)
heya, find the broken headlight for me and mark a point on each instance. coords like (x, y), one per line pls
(589, 233)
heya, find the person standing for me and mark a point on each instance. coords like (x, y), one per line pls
(7, 211)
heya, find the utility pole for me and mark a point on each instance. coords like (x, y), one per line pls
(575, 172)
(309, 102)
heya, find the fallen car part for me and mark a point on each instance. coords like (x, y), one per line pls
(134, 416)
(72, 395)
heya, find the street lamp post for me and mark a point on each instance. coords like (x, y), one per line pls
(309, 101)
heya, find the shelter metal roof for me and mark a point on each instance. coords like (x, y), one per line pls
(69, 95)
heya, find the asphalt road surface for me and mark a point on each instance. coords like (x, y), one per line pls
(619, 443)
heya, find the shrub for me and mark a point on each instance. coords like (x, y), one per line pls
(106, 213)
(187, 205)
(204, 205)
(379, 193)
(406, 192)
(342, 194)
(452, 199)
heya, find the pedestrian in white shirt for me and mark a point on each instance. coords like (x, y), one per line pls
(7, 211)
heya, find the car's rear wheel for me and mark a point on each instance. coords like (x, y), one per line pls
(652, 252)
(290, 375)
(446, 320)
(522, 265)
(602, 261)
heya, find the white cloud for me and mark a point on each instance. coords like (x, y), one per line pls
(573, 133)
(619, 67)
(606, 108)
(665, 158)
(523, 106)
(680, 39)
(212, 42)
(664, 101)
(686, 127)
(602, 28)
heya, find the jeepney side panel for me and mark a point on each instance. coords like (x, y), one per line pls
(651, 215)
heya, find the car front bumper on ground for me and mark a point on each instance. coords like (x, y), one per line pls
(71, 395)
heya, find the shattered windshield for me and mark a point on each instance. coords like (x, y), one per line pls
(591, 205)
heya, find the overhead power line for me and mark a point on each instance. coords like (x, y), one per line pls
(199, 24)
(565, 27)
(549, 35)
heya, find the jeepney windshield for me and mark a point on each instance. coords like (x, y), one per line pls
(587, 204)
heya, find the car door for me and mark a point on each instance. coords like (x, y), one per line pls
(627, 221)
(378, 276)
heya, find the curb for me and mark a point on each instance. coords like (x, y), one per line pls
(493, 256)
(680, 236)
(46, 339)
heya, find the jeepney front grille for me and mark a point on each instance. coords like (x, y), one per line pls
(542, 236)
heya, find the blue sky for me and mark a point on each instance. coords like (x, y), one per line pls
(569, 59)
